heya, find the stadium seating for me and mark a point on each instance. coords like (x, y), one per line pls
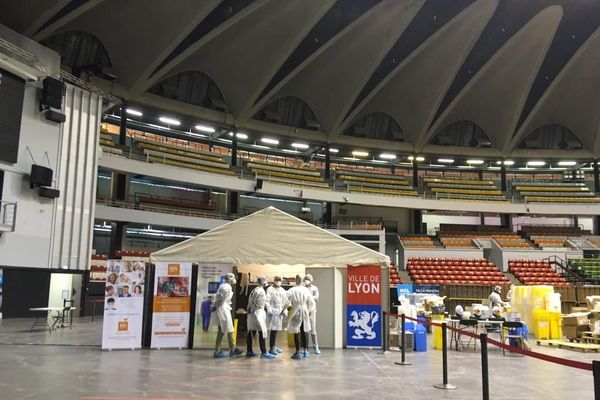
(107, 144)
(458, 271)
(417, 241)
(587, 268)
(551, 236)
(368, 182)
(535, 272)
(287, 175)
(554, 192)
(464, 189)
(394, 277)
(503, 236)
(179, 156)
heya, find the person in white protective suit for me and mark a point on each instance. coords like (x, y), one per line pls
(495, 299)
(257, 319)
(277, 304)
(299, 319)
(221, 316)
(314, 292)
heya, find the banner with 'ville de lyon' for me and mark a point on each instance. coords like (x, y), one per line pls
(364, 306)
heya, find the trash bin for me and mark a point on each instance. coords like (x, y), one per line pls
(541, 321)
(555, 325)
(420, 338)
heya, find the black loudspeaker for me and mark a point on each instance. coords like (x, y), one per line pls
(40, 176)
(55, 116)
(49, 193)
(52, 94)
(258, 185)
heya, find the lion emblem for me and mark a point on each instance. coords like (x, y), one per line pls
(364, 323)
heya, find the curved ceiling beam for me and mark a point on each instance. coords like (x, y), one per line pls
(64, 20)
(414, 89)
(267, 98)
(260, 43)
(151, 76)
(29, 27)
(331, 81)
(573, 98)
(494, 97)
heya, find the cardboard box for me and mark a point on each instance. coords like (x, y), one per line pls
(593, 303)
(575, 319)
(574, 331)
(578, 309)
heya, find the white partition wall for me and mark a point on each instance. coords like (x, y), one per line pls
(76, 178)
(330, 308)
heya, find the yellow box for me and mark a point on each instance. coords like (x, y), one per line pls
(555, 325)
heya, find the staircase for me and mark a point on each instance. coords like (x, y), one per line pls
(563, 270)
(513, 279)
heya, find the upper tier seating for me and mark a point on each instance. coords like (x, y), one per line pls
(457, 242)
(289, 175)
(503, 236)
(172, 203)
(417, 241)
(186, 157)
(107, 144)
(555, 192)
(459, 271)
(535, 272)
(369, 182)
(464, 189)
(587, 268)
(551, 236)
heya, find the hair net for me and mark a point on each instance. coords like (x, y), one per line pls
(459, 310)
(308, 277)
(261, 280)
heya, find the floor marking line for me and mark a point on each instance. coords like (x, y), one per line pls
(383, 372)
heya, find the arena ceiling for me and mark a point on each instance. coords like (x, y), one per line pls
(485, 77)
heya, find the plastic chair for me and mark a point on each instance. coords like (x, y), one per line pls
(518, 338)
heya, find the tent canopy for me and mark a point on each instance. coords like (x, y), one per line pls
(270, 236)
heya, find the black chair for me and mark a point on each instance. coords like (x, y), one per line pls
(468, 325)
(519, 339)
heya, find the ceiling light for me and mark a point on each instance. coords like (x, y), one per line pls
(131, 111)
(567, 163)
(387, 156)
(241, 135)
(410, 158)
(445, 160)
(509, 162)
(302, 146)
(205, 128)
(536, 163)
(359, 153)
(332, 150)
(498, 162)
(475, 162)
(420, 158)
(169, 121)
(270, 141)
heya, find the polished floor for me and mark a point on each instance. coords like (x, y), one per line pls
(39, 366)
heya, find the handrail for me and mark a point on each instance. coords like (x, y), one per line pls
(562, 268)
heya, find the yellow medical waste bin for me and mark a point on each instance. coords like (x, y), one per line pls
(555, 320)
(541, 324)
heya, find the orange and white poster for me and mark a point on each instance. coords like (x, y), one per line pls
(171, 305)
(123, 305)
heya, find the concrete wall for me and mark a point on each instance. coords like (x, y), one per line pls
(500, 256)
(30, 244)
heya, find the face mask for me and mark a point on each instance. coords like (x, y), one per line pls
(306, 282)
(277, 284)
(232, 282)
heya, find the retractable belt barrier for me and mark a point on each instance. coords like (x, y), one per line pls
(594, 366)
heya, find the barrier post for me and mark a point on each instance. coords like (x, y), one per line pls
(403, 342)
(444, 385)
(385, 337)
(485, 384)
(596, 371)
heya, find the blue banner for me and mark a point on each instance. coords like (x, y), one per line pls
(404, 289)
(427, 289)
(363, 327)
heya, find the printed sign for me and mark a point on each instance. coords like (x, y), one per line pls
(427, 289)
(364, 284)
(123, 304)
(171, 305)
(404, 289)
(363, 325)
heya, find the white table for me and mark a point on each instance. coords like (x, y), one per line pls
(59, 319)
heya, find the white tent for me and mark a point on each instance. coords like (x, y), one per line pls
(270, 236)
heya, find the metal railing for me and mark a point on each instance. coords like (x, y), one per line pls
(8, 216)
(163, 209)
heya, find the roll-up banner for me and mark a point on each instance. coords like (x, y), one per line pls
(364, 306)
(123, 305)
(171, 305)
